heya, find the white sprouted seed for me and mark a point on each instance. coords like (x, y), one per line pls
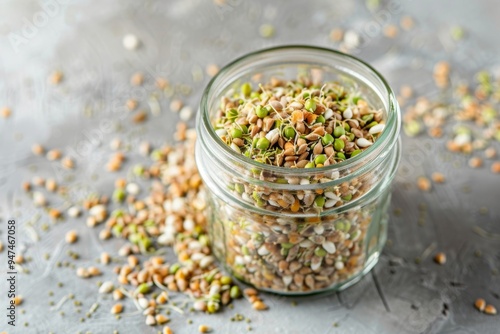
(363, 142)
(316, 263)
(133, 188)
(106, 287)
(351, 39)
(154, 106)
(39, 199)
(74, 211)
(186, 113)
(221, 132)
(143, 303)
(319, 229)
(98, 212)
(330, 203)
(462, 139)
(347, 114)
(145, 148)
(150, 320)
(262, 251)
(377, 129)
(329, 247)
(206, 261)
(131, 42)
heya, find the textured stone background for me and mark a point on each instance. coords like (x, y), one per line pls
(84, 40)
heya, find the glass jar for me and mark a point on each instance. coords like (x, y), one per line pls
(265, 226)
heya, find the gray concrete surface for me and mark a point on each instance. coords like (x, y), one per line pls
(84, 40)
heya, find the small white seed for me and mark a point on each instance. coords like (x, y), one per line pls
(351, 39)
(143, 303)
(133, 189)
(316, 263)
(319, 229)
(330, 203)
(206, 261)
(329, 247)
(200, 305)
(82, 272)
(186, 113)
(363, 142)
(74, 211)
(347, 114)
(221, 132)
(377, 128)
(150, 320)
(235, 148)
(39, 199)
(106, 287)
(262, 251)
(131, 42)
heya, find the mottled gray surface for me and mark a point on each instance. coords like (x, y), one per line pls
(84, 40)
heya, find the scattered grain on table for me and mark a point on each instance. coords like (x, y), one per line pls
(266, 30)
(131, 42)
(71, 237)
(55, 77)
(131, 104)
(390, 31)
(5, 112)
(440, 258)
(407, 22)
(480, 304)
(438, 177)
(336, 34)
(161, 83)
(424, 184)
(176, 105)
(54, 154)
(212, 69)
(490, 309)
(140, 117)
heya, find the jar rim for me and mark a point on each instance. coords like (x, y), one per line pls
(393, 115)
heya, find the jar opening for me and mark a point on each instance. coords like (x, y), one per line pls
(298, 54)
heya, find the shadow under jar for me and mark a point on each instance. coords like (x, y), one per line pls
(263, 222)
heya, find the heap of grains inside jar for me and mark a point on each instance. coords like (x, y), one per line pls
(298, 124)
